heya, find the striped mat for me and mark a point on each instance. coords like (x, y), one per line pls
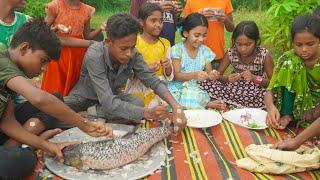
(208, 153)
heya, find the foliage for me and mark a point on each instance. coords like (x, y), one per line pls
(110, 5)
(259, 17)
(35, 8)
(251, 4)
(248, 4)
(282, 13)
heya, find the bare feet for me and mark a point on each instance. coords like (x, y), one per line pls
(50, 133)
(285, 120)
(217, 104)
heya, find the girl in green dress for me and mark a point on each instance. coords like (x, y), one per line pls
(296, 78)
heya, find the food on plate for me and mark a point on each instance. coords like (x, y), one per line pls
(248, 121)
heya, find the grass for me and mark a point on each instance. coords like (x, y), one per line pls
(100, 17)
(260, 17)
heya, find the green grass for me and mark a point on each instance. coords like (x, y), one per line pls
(100, 17)
(262, 19)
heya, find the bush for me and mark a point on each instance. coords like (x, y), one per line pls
(261, 18)
(110, 5)
(282, 13)
(35, 8)
(251, 4)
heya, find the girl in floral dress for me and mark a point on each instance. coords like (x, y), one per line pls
(252, 68)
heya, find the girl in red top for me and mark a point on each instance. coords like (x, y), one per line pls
(72, 18)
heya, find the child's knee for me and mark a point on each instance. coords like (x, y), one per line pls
(36, 125)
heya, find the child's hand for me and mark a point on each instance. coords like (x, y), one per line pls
(220, 17)
(54, 149)
(289, 144)
(62, 28)
(103, 26)
(202, 76)
(234, 77)
(247, 75)
(97, 129)
(165, 63)
(207, 13)
(179, 119)
(157, 113)
(273, 117)
(36, 82)
(217, 104)
(166, 6)
(214, 74)
(154, 67)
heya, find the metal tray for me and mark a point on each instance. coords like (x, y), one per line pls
(144, 166)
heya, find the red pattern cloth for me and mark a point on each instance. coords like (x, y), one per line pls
(216, 148)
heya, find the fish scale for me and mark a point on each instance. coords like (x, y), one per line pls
(108, 154)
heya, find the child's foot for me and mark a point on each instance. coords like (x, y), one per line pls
(285, 120)
(217, 104)
(50, 133)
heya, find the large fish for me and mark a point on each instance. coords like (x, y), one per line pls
(109, 154)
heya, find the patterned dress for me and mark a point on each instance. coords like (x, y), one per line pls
(291, 73)
(188, 93)
(240, 93)
(151, 53)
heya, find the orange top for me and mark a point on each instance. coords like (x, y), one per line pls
(74, 17)
(215, 39)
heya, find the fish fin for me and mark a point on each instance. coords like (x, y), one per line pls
(132, 132)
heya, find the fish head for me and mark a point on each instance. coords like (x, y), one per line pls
(72, 156)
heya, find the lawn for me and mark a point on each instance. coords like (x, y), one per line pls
(260, 17)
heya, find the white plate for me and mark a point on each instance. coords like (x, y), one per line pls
(202, 118)
(258, 115)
